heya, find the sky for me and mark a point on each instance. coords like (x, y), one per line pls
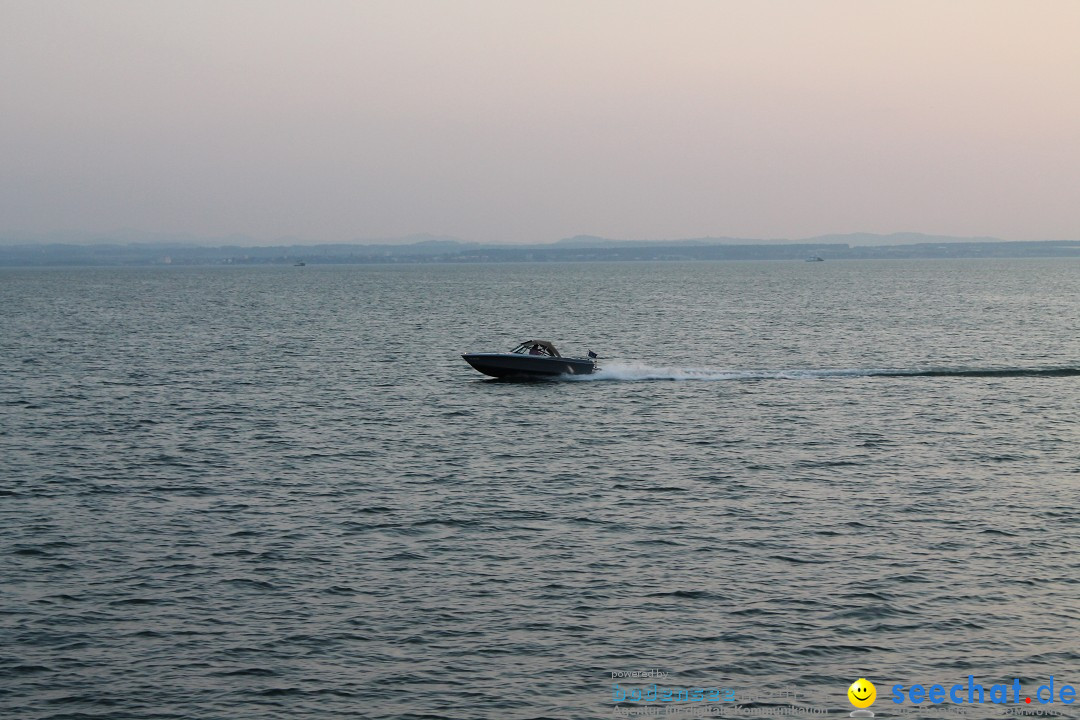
(512, 121)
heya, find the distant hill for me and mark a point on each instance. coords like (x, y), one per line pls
(417, 239)
(857, 239)
(597, 241)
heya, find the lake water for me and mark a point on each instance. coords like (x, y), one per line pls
(280, 492)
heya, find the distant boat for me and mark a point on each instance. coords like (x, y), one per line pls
(531, 359)
(299, 264)
(815, 258)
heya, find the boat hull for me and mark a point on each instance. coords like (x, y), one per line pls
(515, 365)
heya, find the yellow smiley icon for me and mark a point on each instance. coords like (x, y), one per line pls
(862, 693)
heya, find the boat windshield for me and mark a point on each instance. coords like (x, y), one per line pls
(537, 347)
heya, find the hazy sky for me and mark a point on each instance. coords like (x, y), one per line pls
(530, 121)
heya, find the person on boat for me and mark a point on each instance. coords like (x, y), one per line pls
(535, 350)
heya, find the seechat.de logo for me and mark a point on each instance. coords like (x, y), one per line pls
(862, 695)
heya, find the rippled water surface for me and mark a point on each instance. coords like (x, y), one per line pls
(280, 493)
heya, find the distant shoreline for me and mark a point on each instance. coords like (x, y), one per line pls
(145, 255)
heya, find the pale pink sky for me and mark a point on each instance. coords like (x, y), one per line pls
(530, 121)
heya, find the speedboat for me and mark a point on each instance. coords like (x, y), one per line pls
(531, 359)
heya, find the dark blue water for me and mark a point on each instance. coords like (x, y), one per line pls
(280, 493)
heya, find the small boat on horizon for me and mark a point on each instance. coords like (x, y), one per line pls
(815, 258)
(299, 264)
(531, 359)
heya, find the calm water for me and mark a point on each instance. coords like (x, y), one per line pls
(280, 493)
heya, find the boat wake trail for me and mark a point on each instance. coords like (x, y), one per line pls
(616, 371)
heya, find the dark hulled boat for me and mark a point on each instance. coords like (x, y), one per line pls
(530, 359)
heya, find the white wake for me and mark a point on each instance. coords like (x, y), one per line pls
(631, 371)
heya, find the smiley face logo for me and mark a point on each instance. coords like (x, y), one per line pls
(862, 693)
